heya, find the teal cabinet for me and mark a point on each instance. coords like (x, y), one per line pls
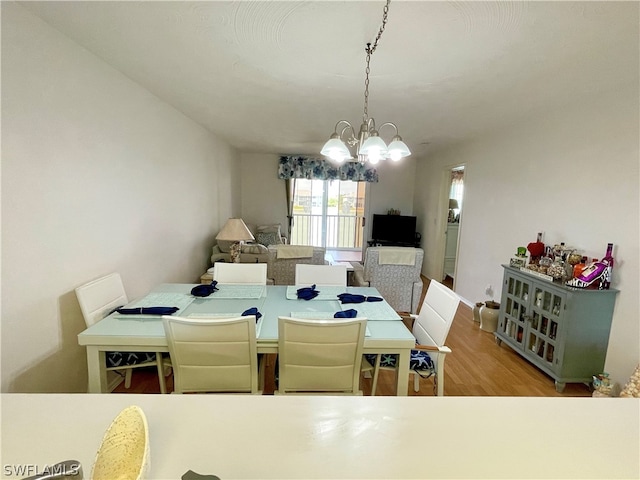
(563, 331)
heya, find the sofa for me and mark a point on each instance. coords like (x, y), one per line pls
(252, 252)
(282, 261)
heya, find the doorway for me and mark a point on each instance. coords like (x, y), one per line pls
(455, 189)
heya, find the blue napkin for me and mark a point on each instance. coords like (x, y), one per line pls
(307, 293)
(351, 313)
(355, 298)
(351, 298)
(204, 290)
(252, 311)
(148, 311)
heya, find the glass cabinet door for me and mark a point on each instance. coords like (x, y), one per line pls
(517, 299)
(543, 328)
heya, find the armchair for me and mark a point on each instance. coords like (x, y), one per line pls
(395, 272)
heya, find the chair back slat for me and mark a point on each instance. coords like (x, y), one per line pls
(99, 297)
(240, 273)
(318, 356)
(213, 355)
(327, 275)
(436, 315)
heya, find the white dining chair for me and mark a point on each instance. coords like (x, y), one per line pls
(240, 273)
(98, 299)
(327, 275)
(320, 356)
(214, 354)
(430, 328)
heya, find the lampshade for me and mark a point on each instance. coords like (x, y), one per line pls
(374, 148)
(336, 149)
(398, 149)
(453, 203)
(235, 230)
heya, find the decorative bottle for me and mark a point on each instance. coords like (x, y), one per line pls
(579, 267)
(608, 260)
(536, 249)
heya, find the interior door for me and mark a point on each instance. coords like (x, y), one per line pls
(453, 214)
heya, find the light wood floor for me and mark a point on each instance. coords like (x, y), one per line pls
(477, 366)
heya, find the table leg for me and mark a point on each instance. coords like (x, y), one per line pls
(95, 366)
(402, 372)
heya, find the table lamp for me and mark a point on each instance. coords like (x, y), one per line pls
(453, 204)
(235, 231)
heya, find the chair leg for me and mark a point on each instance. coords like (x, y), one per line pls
(160, 365)
(438, 378)
(416, 382)
(127, 377)
(262, 366)
(376, 371)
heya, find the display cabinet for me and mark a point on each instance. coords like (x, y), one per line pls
(563, 331)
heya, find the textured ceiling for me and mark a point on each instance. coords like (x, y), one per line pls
(276, 76)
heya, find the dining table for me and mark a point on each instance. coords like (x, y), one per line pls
(386, 332)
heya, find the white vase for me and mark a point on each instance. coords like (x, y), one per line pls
(489, 316)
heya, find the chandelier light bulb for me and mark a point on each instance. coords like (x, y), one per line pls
(374, 156)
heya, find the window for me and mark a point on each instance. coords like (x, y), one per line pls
(328, 213)
(457, 189)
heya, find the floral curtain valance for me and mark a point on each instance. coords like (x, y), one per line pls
(319, 169)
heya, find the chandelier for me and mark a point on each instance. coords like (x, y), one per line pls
(369, 147)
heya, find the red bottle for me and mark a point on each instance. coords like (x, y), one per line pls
(579, 267)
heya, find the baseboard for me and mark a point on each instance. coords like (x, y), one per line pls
(426, 280)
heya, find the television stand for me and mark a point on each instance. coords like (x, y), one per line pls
(386, 243)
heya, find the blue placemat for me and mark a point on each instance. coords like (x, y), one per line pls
(373, 310)
(327, 292)
(237, 291)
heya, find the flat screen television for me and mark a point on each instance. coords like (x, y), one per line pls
(394, 229)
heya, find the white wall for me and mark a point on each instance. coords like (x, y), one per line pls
(394, 188)
(571, 173)
(264, 197)
(98, 175)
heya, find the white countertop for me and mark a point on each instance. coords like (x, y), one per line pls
(234, 436)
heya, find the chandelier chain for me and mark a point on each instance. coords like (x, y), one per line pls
(369, 146)
(370, 49)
